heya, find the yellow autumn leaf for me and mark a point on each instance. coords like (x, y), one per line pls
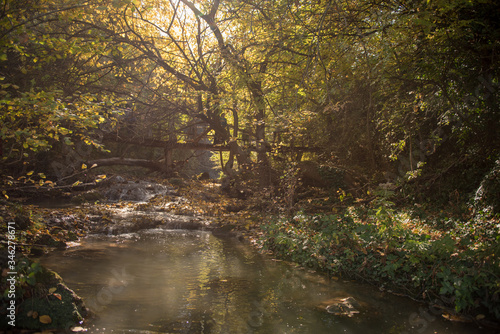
(52, 290)
(30, 172)
(45, 319)
(84, 166)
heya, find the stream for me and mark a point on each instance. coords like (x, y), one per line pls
(143, 274)
(180, 281)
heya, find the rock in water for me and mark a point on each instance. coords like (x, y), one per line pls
(48, 303)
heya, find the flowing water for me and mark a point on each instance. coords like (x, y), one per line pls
(179, 281)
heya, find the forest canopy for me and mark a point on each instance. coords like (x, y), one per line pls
(404, 92)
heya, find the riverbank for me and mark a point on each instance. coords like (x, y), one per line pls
(449, 262)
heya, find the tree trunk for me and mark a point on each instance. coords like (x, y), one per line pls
(263, 166)
(254, 87)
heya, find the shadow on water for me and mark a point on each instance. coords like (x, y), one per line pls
(178, 281)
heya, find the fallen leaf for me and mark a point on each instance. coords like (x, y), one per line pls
(58, 296)
(30, 313)
(45, 319)
(78, 329)
(35, 315)
(52, 290)
(453, 317)
(480, 317)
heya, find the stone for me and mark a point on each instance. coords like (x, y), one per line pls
(22, 222)
(63, 306)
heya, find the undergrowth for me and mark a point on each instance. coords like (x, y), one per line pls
(425, 257)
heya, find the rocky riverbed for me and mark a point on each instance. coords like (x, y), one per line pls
(118, 206)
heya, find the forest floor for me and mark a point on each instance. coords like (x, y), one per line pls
(448, 260)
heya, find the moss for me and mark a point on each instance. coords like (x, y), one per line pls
(51, 305)
(64, 313)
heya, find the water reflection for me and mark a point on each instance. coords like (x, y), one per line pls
(173, 281)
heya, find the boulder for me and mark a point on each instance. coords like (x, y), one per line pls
(48, 303)
(487, 196)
